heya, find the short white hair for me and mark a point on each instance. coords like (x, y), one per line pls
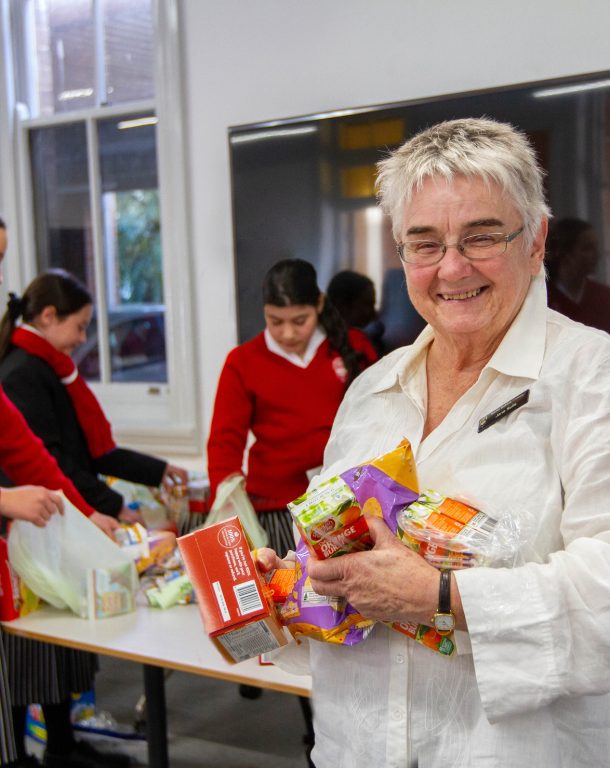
(473, 147)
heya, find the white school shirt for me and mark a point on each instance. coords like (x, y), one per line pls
(532, 690)
(317, 337)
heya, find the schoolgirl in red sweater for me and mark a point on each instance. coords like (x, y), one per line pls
(284, 386)
(37, 671)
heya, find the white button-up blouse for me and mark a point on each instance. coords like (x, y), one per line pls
(530, 683)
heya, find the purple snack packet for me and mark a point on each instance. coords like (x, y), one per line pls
(382, 488)
(328, 619)
(378, 493)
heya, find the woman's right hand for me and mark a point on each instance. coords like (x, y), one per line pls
(30, 502)
(105, 523)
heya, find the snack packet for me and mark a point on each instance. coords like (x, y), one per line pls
(449, 533)
(427, 636)
(170, 589)
(331, 520)
(308, 614)
(330, 517)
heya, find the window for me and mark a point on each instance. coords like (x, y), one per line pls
(92, 150)
(124, 150)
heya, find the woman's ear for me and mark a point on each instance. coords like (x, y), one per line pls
(321, 302)
(537, 254)
(46, 317)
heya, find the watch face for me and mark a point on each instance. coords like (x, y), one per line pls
(444, 622)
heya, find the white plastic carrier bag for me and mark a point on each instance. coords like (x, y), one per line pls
(232, 499)
(71, 563)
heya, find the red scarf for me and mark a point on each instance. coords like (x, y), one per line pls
(89, 413)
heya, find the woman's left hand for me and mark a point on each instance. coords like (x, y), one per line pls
(268, 560)
(388, 583)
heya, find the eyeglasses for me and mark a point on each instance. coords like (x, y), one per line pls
(485, 245)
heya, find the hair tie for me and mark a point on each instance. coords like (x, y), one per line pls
(15, 306)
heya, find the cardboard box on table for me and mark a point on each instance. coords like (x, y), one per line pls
(237, 610)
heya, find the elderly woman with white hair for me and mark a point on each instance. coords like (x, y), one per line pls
(506, 402)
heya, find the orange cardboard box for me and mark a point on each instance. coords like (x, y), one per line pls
(236, 608)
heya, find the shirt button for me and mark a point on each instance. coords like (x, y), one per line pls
(400, 659)
(398, 714)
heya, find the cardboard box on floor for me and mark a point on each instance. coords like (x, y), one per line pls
(237, 610)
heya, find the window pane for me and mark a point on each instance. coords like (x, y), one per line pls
(65, 67)
(129, 50)
(61, 200)
(132, 248)
(60, 184)
(65, 55)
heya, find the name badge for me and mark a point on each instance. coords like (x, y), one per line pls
(503, 410)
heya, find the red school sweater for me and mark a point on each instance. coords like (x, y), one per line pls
(290, 411)
(25, 460)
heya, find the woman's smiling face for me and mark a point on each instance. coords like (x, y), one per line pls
(473, 302)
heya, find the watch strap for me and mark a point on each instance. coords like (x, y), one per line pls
(444, 592)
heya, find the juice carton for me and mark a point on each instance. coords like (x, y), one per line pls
(331, 516)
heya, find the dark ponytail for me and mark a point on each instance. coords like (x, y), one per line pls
(294, 281)
(55, 288)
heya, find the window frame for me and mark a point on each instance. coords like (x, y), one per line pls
(163, 417)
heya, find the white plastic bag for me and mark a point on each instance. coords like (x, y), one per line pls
(232, 499)
(61, 561)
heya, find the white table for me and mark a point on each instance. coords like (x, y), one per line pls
(158, 639)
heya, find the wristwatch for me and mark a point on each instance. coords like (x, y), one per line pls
(444, 620)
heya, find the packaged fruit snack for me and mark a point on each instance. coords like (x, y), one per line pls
(331, 516)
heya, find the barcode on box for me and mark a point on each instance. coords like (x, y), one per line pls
(248, 597)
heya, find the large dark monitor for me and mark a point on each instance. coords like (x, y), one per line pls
(304, 187)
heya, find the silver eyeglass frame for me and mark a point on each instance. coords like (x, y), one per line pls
(506, 239)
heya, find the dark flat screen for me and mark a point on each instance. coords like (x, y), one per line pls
(304, 187)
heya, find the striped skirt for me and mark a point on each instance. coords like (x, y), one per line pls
(8, 752)
(278, 525)
(42, 673)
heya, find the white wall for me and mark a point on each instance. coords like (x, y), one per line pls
(253, 60)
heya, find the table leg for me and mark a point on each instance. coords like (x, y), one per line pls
(156, 719)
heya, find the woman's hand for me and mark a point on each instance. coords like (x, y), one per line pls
(388, 583)
(30, 502)
(105, 523)
(174, 476)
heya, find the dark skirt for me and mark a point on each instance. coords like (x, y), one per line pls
(42, 673)
(8, 752)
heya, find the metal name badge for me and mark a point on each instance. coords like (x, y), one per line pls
(503, 410)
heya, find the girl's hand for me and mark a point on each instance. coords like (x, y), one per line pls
(174, 476)
(130, 516)
(30, 502)
(105, 523)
